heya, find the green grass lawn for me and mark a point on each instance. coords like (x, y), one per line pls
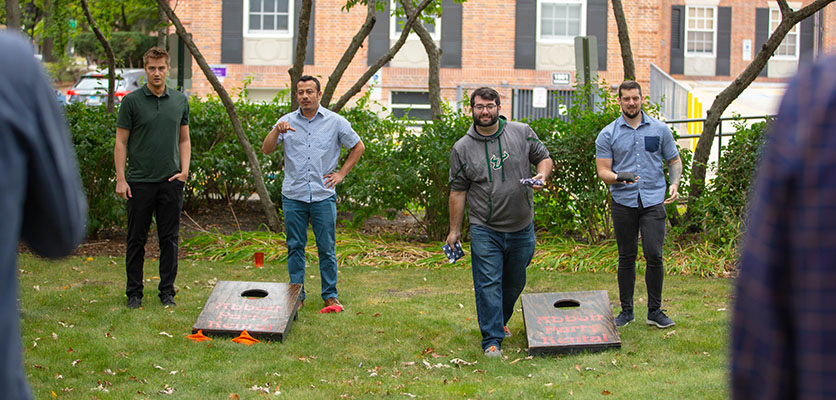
(402, 329)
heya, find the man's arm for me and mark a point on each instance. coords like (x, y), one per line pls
(272, 139)
(544, 169)
(334, 178)
(457, 202)
(120, 155)
(675, 174)
(605, 172)
(185, 155)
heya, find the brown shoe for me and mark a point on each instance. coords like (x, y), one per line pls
(332, 301)
(301, 304)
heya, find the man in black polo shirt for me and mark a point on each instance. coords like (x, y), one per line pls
(152, 136)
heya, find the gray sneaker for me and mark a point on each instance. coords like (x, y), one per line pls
(658, 318)
(508, 332)
(493, 352)
(624, 318)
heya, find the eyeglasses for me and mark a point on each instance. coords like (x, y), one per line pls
(481, 107)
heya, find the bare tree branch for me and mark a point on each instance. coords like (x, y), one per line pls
(407, 27)
(255, 168)
(295, 72)
(434, 60)
(624, 40)
(111, 60)
(349, 53)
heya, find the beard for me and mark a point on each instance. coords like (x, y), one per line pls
(631, 115)
(478, 121)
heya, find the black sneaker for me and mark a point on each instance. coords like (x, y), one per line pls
(624, 318)
(168, 301)
(134, 302)
(658, 318)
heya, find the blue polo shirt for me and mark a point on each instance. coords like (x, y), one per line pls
(312, 151)
(641, 151)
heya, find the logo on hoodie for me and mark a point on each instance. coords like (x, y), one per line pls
(496, 163)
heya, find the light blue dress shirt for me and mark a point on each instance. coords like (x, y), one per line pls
(640, 151)
(312, 151)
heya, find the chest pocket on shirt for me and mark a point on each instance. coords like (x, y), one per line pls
(651, 143)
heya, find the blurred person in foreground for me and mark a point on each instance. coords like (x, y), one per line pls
(784, 322)
(41, 201)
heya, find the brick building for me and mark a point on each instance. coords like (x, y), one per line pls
(504, 44)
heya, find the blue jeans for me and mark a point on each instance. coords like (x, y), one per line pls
(323, 218)
(499, 260)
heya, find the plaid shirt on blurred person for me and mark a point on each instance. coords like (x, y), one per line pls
(784, 329)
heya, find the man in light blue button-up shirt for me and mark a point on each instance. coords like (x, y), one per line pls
(313, 137)
(630, 153)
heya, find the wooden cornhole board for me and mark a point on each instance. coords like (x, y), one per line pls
(569, 322)
(264, 309)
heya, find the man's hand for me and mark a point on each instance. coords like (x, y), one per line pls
(284, 126)
(332, 179)
(179, 176)
(540, 177)
(674, 189)
(453, 238)
(123, 189)
(626, 176)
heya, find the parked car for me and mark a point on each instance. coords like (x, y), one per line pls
(91, 88)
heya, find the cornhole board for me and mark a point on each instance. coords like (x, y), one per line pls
(264, 309)
(569, 322)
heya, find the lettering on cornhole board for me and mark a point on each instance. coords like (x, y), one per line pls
(569, 322)
(264, 309)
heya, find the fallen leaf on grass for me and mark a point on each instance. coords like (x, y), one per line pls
(166, 390)
(459, 361)
(578, 367)
(54, 336)
(76, 362)
(431, 366)
(606, 393)
(233, 396)
(164, 333)
(158, 367)
(669, 334)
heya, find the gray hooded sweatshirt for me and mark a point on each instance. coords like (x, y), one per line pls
(489, 169)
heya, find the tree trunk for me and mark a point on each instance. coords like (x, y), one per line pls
(162, 29)
(295, 72)
(434, 58)
(111, 60)
(255, 168)
(731, 92)
(349, 53)
(624, 40)
(48, 41)
(382, 60)
(13, 15)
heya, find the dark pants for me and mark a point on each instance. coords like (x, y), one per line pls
(163, 200)
(628, 222)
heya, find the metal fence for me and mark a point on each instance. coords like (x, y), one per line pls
(671, 95)
(558, 101)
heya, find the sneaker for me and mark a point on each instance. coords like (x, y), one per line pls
(658, 318)
(624, 318)
(134, 302)
(507, 332)
(168, 300)
(493, 352)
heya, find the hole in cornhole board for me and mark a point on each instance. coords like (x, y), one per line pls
(569, 322)
(264, 309)
(566, 304)
(254, 293)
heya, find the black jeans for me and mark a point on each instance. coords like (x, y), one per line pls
(628, 221)
(165, 201)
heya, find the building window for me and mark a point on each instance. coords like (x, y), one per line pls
(788, 49)
(269, 17)
(700, 30)
(396, 24)
(560, 19)
(415, 105)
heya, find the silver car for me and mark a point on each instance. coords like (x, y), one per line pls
(91, 88)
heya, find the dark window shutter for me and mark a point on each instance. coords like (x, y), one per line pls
(379, 36)
(232, 32)
(525, 40)
(677, 40)
(596, 25)
(723, 60)
(807, 41)
(451, 34)
(761, 33)
(309, 49)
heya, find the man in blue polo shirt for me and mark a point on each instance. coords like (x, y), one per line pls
(313, 136)
(629, 157)
(152, 138)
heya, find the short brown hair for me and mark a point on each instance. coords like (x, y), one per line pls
(485, 93)
(156, 53)
(629, 85)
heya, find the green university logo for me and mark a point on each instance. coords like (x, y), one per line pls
(496, 163)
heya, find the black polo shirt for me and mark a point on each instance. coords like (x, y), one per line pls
(154, 125)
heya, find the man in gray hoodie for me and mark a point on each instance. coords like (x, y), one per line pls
(486, 169)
